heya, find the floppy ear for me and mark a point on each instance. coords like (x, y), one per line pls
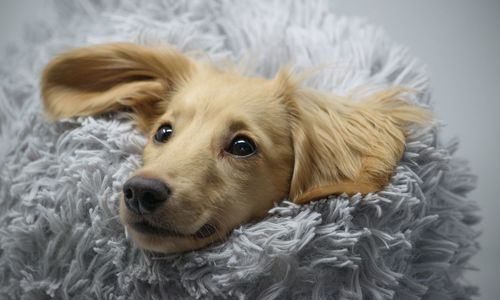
(98, 79)
(342, 146)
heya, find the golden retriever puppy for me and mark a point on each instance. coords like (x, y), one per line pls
(224, 148)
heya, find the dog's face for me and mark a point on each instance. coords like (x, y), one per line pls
(224, 148)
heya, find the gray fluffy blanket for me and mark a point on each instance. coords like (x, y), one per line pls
(60, 236)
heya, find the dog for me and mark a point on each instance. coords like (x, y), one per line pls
(223, 148)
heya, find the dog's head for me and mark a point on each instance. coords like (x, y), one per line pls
(223, 148)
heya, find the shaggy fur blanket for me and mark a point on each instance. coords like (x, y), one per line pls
(60, 183)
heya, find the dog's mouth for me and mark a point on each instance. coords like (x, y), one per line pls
(145, 227)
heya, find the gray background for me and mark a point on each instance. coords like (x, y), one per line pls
(459, 40)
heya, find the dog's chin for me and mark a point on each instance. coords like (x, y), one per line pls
(161, 240)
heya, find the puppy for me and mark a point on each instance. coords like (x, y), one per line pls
(224, 148)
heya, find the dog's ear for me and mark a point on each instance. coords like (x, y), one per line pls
(103, 78)
(343, 146)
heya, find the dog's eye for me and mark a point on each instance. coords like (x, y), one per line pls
(241, 146)
(163, 133)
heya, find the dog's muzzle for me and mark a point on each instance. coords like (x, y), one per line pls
(144, 196)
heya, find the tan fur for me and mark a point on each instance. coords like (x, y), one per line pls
(309, 144)
(94, 80)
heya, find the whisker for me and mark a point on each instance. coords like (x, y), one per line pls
(111, 218)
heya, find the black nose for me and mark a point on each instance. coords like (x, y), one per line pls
(144, 195)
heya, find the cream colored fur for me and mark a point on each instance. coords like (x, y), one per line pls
(309, 144)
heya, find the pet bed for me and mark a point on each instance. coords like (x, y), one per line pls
(60, 184)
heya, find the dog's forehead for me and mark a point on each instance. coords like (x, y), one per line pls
(221, 92)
